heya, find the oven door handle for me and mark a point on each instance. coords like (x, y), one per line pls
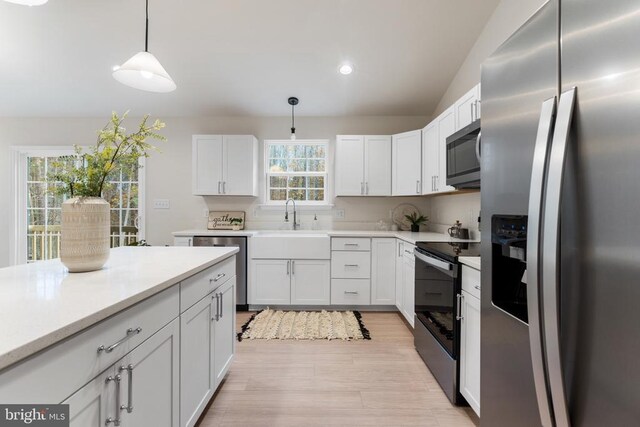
(433, 261)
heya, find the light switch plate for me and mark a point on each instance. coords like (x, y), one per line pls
(161, 204)
(339, 213)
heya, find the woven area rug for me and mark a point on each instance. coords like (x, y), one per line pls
(305, 325)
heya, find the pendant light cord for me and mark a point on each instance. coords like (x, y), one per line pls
(293, 119)
(146, 30)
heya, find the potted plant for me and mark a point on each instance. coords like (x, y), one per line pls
(236, 223)
(83, 177)
(416, 219)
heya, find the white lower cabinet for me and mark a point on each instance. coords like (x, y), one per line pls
(271, 282)
(291, 281)
(139, 390)
(399, 269)
(197, 359)
(408, 284)
(310, 282)
(383, 270)
(94, 404)
(470, 350)
(224, 329)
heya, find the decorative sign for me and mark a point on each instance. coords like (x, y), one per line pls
(226, 221)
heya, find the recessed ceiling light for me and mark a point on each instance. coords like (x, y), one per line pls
(346, 69)
(28, 2)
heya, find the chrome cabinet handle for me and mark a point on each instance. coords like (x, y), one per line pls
(352, 244)
(219, 192)
(218, 277)
(221, 305)
(129, 405)
(216, 316)
(550, 255)
(351, 292)
(190, 242)
(130, 332)
(418, 187)
(352, 265)
(224, 187)
(407, 252)
(477, 287)
(288, 267)
(293, 267)
(459, 307)
(116, 420)
(540, 154)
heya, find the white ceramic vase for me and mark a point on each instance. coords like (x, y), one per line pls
(84, 241)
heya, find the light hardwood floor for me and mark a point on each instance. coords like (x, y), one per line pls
(382, 382)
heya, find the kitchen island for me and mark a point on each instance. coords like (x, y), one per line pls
(152, 313)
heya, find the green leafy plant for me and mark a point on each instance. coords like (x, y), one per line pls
(416, 219)
(84, 174)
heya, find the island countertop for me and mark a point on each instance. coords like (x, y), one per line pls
(42, 303)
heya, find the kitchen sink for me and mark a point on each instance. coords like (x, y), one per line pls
(290, 244)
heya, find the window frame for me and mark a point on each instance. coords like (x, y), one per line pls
(268, 174)
(17, 242)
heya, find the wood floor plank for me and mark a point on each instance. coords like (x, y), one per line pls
(381, 382)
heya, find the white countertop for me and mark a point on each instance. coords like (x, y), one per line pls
(42, 303)
(471, 261)
(407, 236)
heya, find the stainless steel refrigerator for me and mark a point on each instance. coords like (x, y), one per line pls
(561, 219)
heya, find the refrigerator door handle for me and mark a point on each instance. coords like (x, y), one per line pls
(543, 141)
(551, 256)
(478, 142)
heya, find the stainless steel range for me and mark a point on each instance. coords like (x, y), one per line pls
(437, 308)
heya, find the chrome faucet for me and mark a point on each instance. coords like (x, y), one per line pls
(286, 213)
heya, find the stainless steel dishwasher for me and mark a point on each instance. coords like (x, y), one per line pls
(241, 262)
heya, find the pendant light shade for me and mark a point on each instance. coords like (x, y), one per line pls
(28, 2)
(293, 101)
(143, 70)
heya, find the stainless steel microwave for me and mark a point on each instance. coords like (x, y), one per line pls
(463, 157)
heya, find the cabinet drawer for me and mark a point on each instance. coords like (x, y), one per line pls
(350, 265)
(70, 364)
(350, 292)
(350, 244)
(471, 280)
(197, 286)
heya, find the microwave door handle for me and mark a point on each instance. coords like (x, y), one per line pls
(551, 255)
(540, 153)
(478, 142)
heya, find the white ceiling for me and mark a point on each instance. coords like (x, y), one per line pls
(236, 57)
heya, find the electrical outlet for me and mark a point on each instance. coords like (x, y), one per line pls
(161, 204)
(339, 213)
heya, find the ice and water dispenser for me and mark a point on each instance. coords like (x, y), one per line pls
(509, 258)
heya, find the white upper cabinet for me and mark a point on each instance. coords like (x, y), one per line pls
(446, 127)
(377, 165)
(467, 108)
(430, 158)
(349, 165)
(225, 165)
(363, 165)
(407, 163)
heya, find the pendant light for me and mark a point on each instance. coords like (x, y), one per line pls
(293, 101)
(28, 2)
(143, 71)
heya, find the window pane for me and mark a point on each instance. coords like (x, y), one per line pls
(297, 194)
(54, 200)
(316, 195)
(115, 218)
(36, 194)
(315, 181)
(316, 166)
(35, 169)
(278, 195)
(296, 166)
(315, 152)
(277, 166)
(278, 182)
(129, 196)
(129, 217)
(54, 217)
(130, 173)
(297, 182)
(277, 151)
(35, 216)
